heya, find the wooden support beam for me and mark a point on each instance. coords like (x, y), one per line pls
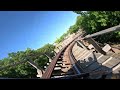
(112, 29)
(39, 70)
(80, 43)
(33, 64)
(97, 47)
(48, 56)
(54, 52)
(57, 48)
(61, 46)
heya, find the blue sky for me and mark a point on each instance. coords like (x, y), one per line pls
(32, 29)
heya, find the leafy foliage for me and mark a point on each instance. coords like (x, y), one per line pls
(94, 21)
(88, 21)
(25, 70)
(61, 38)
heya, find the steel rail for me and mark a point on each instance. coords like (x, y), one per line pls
(50, 68)
(48, 72)
(76, 67)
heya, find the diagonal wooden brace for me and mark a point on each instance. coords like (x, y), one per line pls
(97, 47)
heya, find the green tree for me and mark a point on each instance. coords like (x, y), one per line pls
(94, 21)
(61, 38)
(25, 70)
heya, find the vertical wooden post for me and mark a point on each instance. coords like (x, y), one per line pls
(97, 47)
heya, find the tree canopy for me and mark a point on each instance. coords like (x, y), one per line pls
(25, 70)
(94, 21)
(88, 21)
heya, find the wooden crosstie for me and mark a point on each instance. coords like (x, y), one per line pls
(80, 61)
